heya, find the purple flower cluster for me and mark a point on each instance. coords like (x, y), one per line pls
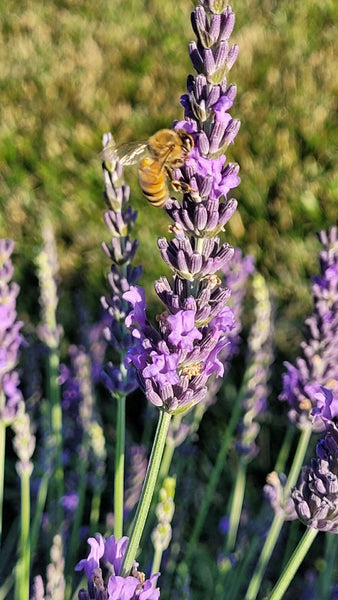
(319, 364)
(316, 499)
(10, 336)
(175, 360)
(119, 219)
(109, 553)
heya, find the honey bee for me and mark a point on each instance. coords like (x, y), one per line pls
(166, 150)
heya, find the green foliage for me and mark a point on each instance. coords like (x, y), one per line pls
(72, 70)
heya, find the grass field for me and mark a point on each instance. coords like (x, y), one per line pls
(72, 70)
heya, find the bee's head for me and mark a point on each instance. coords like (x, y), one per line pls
(186, 139)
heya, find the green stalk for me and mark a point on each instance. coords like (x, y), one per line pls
(6, 587)
(214, 479)
(278, 521)
(293, 564)
(157, 560)
(298, 460)
(239, 577)
(284, 451)
(147, 492)
(2, 469)
(56, 430)
(267, 550)
(236, 506)
(119, 466)
(40, 505)
(23, 565)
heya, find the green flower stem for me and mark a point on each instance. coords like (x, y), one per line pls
(268, 547)
(56, 430)
(2, 469)
(40, 506)
(284, 451)
(214, 479)
(147, 492)
(298, 460)
(119, 465)
(169, 451)
(236, 505)
(23, 565)
(157, 560)
(240, 574)
(6, 587)
(293, 564)
(278, 521)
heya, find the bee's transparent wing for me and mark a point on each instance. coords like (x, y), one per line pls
(129, 154)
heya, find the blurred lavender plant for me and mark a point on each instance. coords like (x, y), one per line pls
(10, 342)
(120, 218)
(10, 336)
(316, 498)
(50, 333)
(319, 364)
(119, 378)
(260, 358)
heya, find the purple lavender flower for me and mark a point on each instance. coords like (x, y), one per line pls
(319, 365)
(316, 498)
(119, 219)
(111, 552)
(10, 336)
(175, 360)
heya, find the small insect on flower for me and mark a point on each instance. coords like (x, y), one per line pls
(166, 150)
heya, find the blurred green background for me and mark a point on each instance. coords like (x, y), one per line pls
(72, 70)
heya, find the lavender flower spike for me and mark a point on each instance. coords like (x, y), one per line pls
(10, 337)
(110, 553)
(316, 499)
(319, 364)
(119, 219)
(175, 360)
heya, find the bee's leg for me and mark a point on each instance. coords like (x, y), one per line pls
(179, 186)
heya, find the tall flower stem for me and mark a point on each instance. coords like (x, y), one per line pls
(236, 505)
(147, 492)
(293, 564)
(278, 521)
(284, 451)
(39, 508)
(119, 465)
(23, 565)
